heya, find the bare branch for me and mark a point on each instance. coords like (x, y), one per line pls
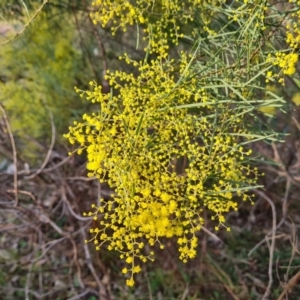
(272, 247)
(13, 145)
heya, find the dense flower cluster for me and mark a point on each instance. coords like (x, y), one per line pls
(165, 163)
(287, 60)
(162, 20)
(168, 141)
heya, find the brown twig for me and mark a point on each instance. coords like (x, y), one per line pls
(272, 247)
(102, 292)
(89, 59)
(28, 282)
(292, 282)
(65, 200)
(105, 84)
(49, 151)
(215, 238)
(50, 169)
(77, 297)
(284, 205)
(14, 149)
(22, 192)
(294, 243)
(75, 258)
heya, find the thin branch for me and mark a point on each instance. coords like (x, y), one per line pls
(50, 169)
(28, 282)
(13, 145)
(272, 247)
(78, 297)
(105, 84)
(216, 238)
(75, 258)
(102, 292)
(292, 282)
(23, 193)
(89, 59)
(49, 151)
(27, 24)
(78, 217)
(283, 219)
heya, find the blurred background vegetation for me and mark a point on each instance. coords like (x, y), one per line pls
(42, 253)
(39, 71)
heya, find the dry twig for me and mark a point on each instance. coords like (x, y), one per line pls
(102, 292)
(292, 282)
(272, 247)
(13, 145)
(49, 151)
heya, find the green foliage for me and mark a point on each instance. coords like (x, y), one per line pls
(39, 71)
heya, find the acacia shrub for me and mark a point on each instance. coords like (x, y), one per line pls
(173, 139)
